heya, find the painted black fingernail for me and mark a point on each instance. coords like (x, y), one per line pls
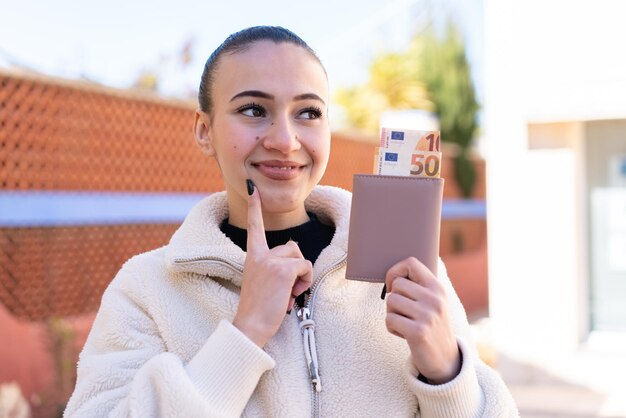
(289, 312)
(384, 293)
(250, 186)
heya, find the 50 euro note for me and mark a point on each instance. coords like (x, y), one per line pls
(408, 153)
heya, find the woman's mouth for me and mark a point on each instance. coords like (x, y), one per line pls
(279, 170)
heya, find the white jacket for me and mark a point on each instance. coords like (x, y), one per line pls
(163, 344)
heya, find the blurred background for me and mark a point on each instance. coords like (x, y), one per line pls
(98, 163)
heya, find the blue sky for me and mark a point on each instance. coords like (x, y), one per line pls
(112, 42)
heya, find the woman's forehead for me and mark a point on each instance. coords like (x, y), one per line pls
(267, 50)
(265, 65)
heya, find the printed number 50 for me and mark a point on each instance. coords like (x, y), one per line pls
(428, 164)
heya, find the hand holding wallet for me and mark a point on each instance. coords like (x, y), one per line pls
(392, 218)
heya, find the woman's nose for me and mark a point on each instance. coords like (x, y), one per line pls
(282, 137)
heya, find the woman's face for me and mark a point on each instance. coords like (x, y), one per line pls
(269, 123)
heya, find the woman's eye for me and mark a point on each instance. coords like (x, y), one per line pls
(311, 113)
(252, 110)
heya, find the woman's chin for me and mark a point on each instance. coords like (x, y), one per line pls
(277, 206)
(287, 195)
(277, 203)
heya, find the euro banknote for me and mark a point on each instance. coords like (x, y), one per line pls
(408, 153)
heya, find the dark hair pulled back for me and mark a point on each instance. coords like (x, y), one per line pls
(240, 41)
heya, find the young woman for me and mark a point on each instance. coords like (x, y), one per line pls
(247, 310)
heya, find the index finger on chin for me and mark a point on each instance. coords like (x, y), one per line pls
(256, 229)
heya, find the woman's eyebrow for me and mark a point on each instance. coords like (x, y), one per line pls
(309, 96)
(252, 93)
(263, 95)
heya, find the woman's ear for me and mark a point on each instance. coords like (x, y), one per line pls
(202, 132)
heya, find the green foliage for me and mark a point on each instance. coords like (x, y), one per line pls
(464, 173)
(394, 84)
(433, 74)
(447, 74)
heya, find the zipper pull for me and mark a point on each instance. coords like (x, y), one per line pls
(302, 312)
(307, 327)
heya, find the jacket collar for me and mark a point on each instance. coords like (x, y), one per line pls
(199, 246)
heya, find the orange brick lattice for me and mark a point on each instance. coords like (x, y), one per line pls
(63, 271)
(63, 137)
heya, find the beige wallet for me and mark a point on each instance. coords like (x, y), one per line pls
(392, 218)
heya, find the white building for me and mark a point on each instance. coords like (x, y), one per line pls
(555, 142)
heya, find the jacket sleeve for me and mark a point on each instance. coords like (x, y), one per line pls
(477, 391)
(125, 370)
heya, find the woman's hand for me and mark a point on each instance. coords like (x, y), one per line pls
(417, 310)
(271, 279)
